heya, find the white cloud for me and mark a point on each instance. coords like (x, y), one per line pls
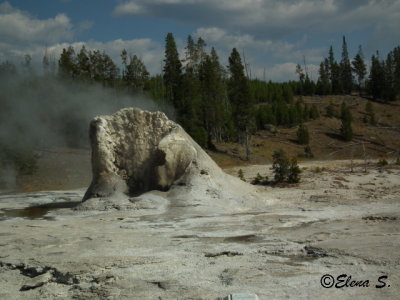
(25, 34)
(225, 39)
(258, 52)
(252, 26)
(21, 34)
(17, 28)
(273, 18)
(277, 72)
(386, 34)
(284, 72)
(129, 8)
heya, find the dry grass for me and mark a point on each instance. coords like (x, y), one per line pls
(381, 141)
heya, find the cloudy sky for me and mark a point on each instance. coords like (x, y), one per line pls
(275, 35)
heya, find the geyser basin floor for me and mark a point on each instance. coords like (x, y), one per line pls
(278, 251)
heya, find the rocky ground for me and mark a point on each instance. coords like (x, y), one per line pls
(278, 244)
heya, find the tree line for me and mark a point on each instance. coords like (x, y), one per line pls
(382, 82)
(214, 102)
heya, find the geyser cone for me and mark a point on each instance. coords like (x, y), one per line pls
(135, 151)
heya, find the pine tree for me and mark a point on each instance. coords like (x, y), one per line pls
(330, 110)
(346, 76)
(370, 114)
(46, 63)
(83, 66)
(323, 84)
(265, 116)
(110, 70)
(192, 108)
(200, 45)
(306, 112)
(334, 73)
(172, 73)
(303, 137)
(240, 99)
(280, 166)
(287, 93)
(346, 130)
(134, 75)
(124, 58)
(396, 74)
(302, 78)
(359, 68)
(67, 63)
(214, 98)
(103, 68)
(309, 86)
(376, 81)
(27, 64)
(314, 113)
(156, 89)
(191, 54)
(389, 91)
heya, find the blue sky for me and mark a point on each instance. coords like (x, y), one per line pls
(274, 34)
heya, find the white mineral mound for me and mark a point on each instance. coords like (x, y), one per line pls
(135, 152)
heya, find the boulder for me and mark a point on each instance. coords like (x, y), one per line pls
(270, 128)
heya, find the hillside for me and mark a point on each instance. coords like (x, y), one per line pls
(380, 141)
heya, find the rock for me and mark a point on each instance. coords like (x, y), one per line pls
(242, 296)
(135, 151)
(38, 281)
(270, 128)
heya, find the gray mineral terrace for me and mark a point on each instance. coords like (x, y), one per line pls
(161, 220)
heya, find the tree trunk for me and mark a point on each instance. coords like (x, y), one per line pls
(247, 144)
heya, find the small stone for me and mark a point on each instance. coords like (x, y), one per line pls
(241, 296)
(37, 281)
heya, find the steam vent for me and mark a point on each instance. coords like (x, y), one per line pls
(134, 151)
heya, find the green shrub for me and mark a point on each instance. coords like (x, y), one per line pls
(241, 175)
(382, 162)
(346, 131)
(319, 169)
(307, 152)
(260, 180)
(370, 114)
(303, 137)
(294, 171)
(285, 169)
(280, 166)
(257, 180)
(330, 110)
